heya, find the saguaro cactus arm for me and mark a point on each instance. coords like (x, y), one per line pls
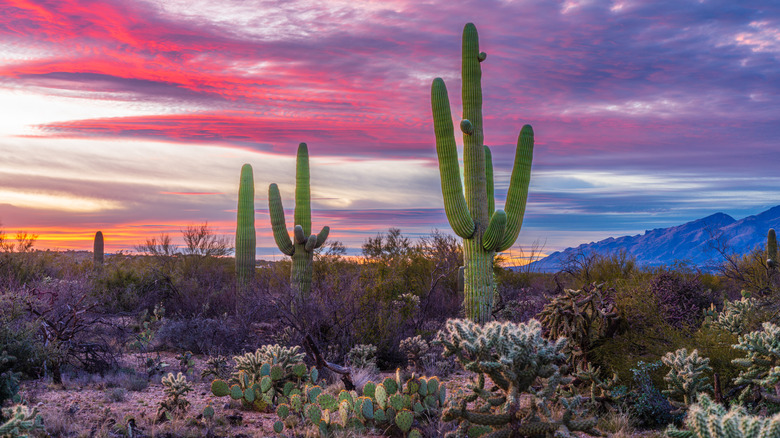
(322, 236)
(518, 187)
(489, 181)
(451, 185)
(302, 215)
(276, 211)
(495, 231)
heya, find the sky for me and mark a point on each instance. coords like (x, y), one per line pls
(134, 117)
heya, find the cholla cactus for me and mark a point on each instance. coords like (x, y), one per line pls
(686, 378)
(216, 367)
(580, 316)
(707, 419)
(20, 421)
(274, 354)
(762, 362)
(175, 388)
(603, 393)
(737, 316)
(515, 357)
(363, 356)
(414, 348)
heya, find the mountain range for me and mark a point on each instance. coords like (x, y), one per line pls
(694, 242)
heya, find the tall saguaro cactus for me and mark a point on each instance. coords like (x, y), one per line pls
(301, 247)
(771, 249)
(473, 217)
(97, 251)
(246, 240)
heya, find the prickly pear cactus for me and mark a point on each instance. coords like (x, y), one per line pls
(687, 377)
(707, 419)
(394, 406)
(268, 377)
(515, 357)
(301, 247)
(473, 217)
(246, 239)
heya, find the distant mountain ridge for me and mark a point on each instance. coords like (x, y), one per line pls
(691, 241)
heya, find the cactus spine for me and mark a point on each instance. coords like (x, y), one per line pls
(473, 217)
(98, 248)
(301, 247)
(246, 239)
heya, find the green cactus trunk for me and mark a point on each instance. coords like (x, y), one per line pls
(98, 248)
(246, 240)
(473, 217)
(301, 247)
(771, 249)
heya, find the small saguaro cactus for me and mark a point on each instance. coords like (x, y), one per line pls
(246, 239)
(771, 249)
(473, 217)
(98, 248)
(301, 247)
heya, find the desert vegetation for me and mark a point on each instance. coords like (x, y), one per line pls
(426, 337)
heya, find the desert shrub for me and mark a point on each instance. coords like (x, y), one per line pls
(643, 333)
(204, 335)
(648, 405)
(18, 333)
(9, 379)
(116, 394)
(591, 267)
(681, 298)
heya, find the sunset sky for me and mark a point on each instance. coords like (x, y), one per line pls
(134, 117)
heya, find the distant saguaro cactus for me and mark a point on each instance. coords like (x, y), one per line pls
(246, 240)
(302, 247)
(771, 249)
(98, 248)
(473, 217)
